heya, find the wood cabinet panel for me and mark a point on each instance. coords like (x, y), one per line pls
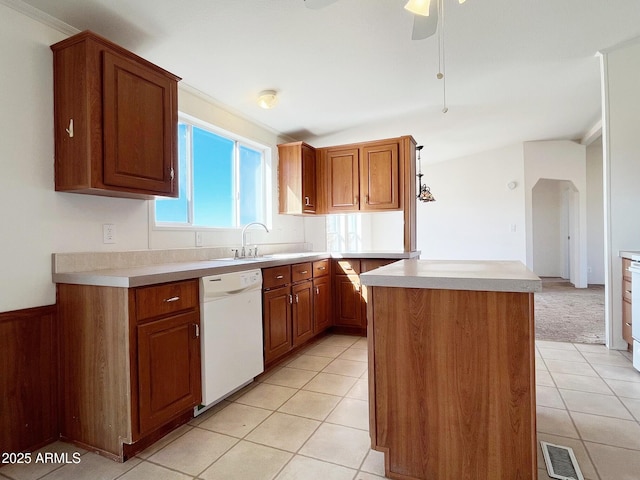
(368, 264)
(321, 304)
(115, 121)
(276, 307)
(168, 368)
(297, 178)
(379, 177)
(302, 314)
(138, 145)
(343, 180)
(452, 388)
(157, 300)
(28, 379)
(348, 301)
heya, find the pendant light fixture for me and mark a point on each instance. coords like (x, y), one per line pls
(424, 192)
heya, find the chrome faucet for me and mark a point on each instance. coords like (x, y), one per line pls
(244, 236)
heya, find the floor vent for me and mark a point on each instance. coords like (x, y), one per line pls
(561, 462)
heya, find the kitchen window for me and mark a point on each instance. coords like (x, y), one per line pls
(344, 232)
(222, 180)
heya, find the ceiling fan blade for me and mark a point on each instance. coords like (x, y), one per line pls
(425, 27)
(317, 4)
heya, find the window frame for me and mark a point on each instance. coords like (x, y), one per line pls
(239, 141)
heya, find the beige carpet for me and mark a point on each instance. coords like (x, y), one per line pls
(567, 314)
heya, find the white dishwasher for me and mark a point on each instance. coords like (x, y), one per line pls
(231, 333)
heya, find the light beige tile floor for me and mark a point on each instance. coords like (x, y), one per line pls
(308, 420)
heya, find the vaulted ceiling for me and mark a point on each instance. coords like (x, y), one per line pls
(516, 70)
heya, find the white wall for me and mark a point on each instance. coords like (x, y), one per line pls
(621, 141)
(595, 215)
(474, 212)
(559, 160)
(36, 220)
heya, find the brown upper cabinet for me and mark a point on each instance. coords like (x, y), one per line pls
(116, 119)
(297, 178)
(363, 177)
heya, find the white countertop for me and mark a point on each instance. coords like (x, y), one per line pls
(170, 272)
(633, 255)
(499, 276)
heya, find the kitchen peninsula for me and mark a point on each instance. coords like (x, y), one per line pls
(451, 369)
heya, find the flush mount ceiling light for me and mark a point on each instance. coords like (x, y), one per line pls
(267, 99)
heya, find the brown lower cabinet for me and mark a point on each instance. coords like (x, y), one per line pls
(295, 305)
(129, 364)
(626, 303)
(350, 296)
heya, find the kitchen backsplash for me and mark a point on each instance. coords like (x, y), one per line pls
(90, 261)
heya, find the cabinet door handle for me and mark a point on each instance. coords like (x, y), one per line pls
(317, 290)
(197, 330)
(171, 299)
(297, 299)
(628, 324)
(172, 173)
(279, 277)
(69, 130)
(307, 202)
(366, 199)
(355, 200)
(290, 299)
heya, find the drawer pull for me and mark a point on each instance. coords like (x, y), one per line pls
(279, 277)
(303, 272)
(171, 299)
(628, 291)
(322, 268)
(628, 324)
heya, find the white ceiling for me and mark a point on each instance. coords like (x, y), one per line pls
(516, 70)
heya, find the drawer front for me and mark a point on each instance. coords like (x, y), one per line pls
(276, 276)
(320, 268)
(301, 271)
(626, 290)
(347, 267)
(159, 300)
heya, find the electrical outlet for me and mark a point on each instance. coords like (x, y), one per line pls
(108, 233)
(198, 239)
(513, 228)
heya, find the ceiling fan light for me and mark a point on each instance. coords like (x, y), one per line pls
(419, 7)
(267, 99)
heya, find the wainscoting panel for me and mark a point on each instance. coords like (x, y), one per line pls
(28, 379)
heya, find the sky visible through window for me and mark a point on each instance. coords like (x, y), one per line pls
(221, 182)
